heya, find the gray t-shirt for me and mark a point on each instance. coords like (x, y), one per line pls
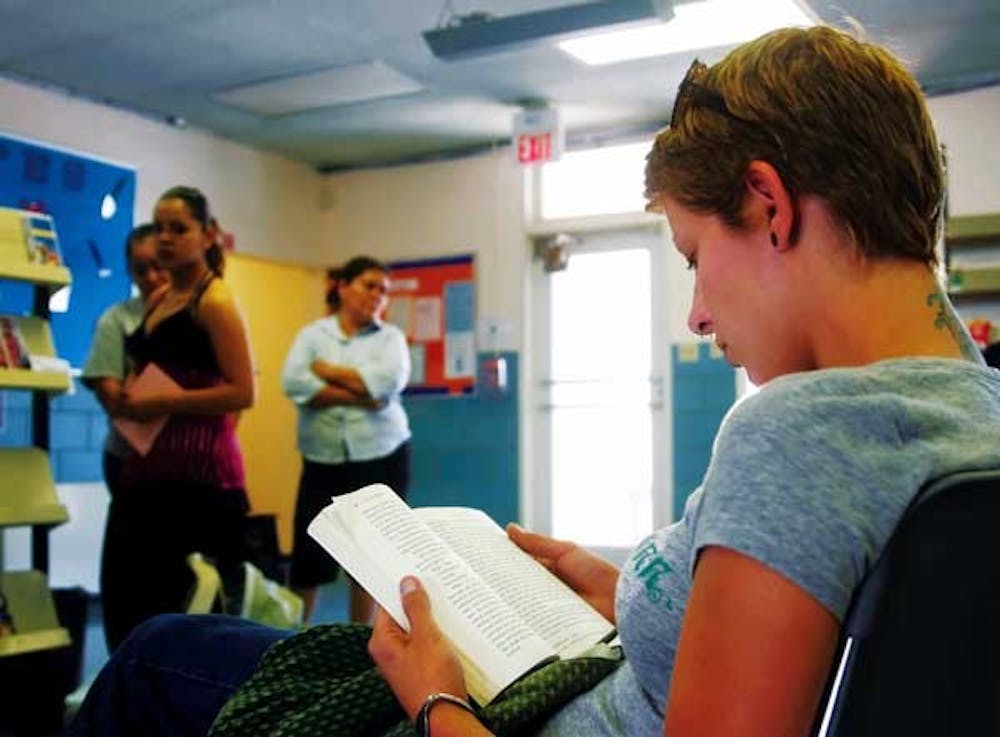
(809, 476)
(107, 355)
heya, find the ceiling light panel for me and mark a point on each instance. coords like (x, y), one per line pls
(696, 25)
(473, 35)
(338, 86)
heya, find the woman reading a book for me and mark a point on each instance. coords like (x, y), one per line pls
(186, 493)
(346, 374)
(803, 183)
(106, 369)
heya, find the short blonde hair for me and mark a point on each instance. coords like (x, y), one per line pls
(838, 117)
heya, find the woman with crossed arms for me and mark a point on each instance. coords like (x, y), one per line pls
(346, 373)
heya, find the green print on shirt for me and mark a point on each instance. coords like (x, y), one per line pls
(650, 567)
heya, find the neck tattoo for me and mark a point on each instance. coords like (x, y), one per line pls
(945, 319)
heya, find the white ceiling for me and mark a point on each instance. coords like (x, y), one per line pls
(185, 60)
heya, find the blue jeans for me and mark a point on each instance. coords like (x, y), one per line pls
(172, 676)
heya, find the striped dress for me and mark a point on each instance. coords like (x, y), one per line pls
(199, 449)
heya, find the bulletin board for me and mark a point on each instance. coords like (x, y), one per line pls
(91, 203)
(433, 301)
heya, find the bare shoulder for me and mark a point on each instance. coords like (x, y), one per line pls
(217, 301)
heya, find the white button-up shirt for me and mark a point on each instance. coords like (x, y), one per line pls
(342, 433)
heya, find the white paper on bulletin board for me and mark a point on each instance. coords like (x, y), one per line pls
(418, 364)
(459, 355)
(426, 319)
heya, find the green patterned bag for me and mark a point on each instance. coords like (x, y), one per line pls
(322, 683)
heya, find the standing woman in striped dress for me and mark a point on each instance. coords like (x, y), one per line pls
(188, 492)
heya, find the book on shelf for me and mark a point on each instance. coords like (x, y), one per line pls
(504, 612)
(13, 349)
(41, 239)
(28, 237)
(141, 434)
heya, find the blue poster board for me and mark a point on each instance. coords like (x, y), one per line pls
(77, 191)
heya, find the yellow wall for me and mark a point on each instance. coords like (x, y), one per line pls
(277, 300)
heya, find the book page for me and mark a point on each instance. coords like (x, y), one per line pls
(377, 539)
(564, 620)
(142, 434)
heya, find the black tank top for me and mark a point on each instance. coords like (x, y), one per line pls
(192, 448)
(178, 345)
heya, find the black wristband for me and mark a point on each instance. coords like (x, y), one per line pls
(423, 721)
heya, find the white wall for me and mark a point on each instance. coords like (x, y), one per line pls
(471, 205)
(967, 123)
(271, 204)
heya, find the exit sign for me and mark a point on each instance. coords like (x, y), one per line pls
(537, 136)
(534, 148)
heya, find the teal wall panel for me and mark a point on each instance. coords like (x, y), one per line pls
(465, 448)
(704, 388)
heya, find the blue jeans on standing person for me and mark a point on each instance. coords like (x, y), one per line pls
(172, 675)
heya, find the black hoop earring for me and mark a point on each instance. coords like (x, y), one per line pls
(774, 239)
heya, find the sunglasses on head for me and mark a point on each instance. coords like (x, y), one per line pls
(693, 94)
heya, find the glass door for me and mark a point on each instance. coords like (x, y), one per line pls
(601, 458)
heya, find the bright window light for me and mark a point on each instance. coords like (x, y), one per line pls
(599, 181)
(695, 25)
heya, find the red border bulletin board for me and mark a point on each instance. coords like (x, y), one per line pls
(434, 302)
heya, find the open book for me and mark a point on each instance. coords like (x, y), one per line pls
(142, 434)
(505, 613)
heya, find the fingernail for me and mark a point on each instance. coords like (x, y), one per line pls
(515, 526)
(408, 585)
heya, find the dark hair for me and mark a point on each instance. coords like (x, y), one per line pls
(348, 273)
(332, 280)
(197, 205)
(139, 232)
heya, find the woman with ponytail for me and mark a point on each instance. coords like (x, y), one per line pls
(186, 494)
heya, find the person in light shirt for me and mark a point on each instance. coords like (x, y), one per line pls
(106, 367)
(346, 373)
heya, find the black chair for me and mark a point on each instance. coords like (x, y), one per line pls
(920, 647)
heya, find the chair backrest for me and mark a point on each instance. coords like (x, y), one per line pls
(920, 646)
